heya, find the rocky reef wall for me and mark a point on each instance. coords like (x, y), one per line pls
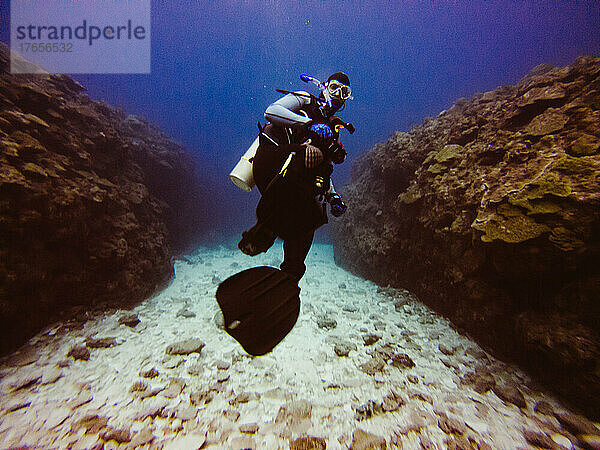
(490, 213)
(93, 203)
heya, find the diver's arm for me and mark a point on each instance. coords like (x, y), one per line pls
(283, 111)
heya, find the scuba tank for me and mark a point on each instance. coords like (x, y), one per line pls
(241, 175)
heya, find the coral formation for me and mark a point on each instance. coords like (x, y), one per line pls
(491, 214)
(93, 202)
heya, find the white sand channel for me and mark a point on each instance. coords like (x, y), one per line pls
(222, 398)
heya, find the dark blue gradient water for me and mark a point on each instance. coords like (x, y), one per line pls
(216, 64)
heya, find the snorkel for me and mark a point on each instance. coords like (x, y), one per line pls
(322, 88)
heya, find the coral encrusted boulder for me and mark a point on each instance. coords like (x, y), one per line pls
(491, 214)
(93, 203)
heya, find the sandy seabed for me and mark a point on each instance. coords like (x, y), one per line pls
(220, 397)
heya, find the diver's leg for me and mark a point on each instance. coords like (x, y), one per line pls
(294, 254)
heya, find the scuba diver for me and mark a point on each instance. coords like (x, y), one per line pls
(291, 162)
(292, 169)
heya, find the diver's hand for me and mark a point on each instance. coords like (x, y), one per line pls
(338, 207)
(313, 156)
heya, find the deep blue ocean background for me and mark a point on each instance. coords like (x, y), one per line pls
(216, 65)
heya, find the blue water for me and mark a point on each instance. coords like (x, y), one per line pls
(216, 64)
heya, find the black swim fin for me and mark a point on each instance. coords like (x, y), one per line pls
(260, 307)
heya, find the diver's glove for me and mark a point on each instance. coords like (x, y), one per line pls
(322, 130)
(338, 207)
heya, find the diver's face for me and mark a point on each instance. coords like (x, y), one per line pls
(334, 90)
(338, 91)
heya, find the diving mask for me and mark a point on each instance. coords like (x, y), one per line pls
(341, 90)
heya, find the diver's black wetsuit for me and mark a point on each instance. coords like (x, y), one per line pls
(284, 134)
